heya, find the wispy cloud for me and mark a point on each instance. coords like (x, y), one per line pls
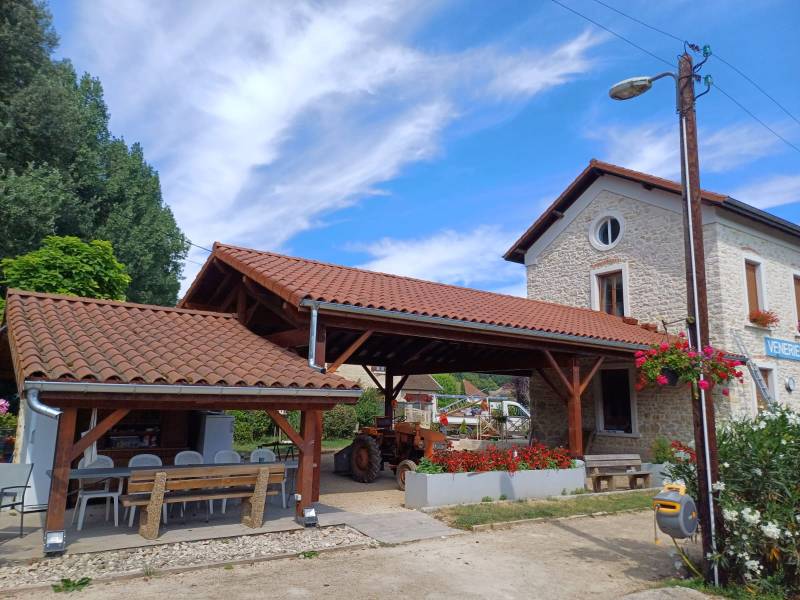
(654, 147)
(471, 258)
(264, 117)
(773, 191)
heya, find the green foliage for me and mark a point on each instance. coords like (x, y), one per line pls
(309, 554)
(759, 492)
(8, 421)
(450, 383)
(487, 499)
(339, 422)
(61, 170)
(662, 451)
(369, 406)
(66, 265)
(250, 426)
(427, 467)
(71, 585)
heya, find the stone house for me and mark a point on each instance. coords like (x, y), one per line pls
(613, 241)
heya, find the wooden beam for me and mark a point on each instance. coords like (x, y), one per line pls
(97, 432)
(306, 468)
(399, 387)
(222, 288)
(229, 299)
(317, 415)
(554, 365)
(289, 339)
(273, 303)
(286, 427)
(241, 305)
(574, 411)
(321, 345)
(377, 383)
(59, 477)
(592, 372)
(334, 366)
(388, 398)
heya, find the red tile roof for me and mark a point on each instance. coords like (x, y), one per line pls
(298, 279)
(65, 338)
(587, 177)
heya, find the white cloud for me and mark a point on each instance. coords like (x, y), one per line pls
(471, 258)
(263, 117)
(774, 191)
(654, 147)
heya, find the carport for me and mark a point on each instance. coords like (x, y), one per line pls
(334, 315)
(71, 356)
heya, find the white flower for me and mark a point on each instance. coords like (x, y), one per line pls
(758, 472)
(752, 565)
(726, 465)
(751, 516)
(771, 530)
(761, 425)
(718, 486)
(729, 515)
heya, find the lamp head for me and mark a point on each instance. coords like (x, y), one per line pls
(630, 88)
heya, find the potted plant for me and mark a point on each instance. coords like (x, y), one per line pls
(673, 363)
(764, 318)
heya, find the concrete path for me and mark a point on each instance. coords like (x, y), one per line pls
(396, 528)
(601, 558)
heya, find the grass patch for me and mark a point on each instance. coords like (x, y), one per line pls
(735, 592)
(248, 447)
(465, 516)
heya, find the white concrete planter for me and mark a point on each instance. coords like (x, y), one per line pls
(658, 473)
(465, 488)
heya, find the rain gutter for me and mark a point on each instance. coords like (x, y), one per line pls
(316, 306)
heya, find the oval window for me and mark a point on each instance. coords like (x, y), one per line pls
(608, 231)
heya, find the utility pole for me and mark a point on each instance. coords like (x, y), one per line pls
(705, 435)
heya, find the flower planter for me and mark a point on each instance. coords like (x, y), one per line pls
(672, 376)
(424, 490)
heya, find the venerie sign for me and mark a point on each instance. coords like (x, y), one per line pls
(782, 348)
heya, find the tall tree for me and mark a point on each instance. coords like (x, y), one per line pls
(61, 170)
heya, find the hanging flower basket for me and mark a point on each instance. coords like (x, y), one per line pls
(672, 376)
(674, 363)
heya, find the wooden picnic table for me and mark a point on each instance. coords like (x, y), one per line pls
(125, 472)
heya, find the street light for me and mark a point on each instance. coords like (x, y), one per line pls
(697, 301)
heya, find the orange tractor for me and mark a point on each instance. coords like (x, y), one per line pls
(400, 447)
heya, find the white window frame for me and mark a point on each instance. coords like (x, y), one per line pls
(595, 274)
(595, 241)
(598, 402)
(761, 287)
(772, 367)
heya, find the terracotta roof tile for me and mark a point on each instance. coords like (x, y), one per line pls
(79, 339)
(296, 279)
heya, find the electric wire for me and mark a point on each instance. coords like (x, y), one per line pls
(648, 52)
(715, 55)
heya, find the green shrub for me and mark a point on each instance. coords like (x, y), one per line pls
(662, 451)
(250, 425)
(340, 422)
(427, 467)
(369, 406)
(759, 492)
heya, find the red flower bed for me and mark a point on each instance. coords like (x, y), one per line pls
(535, 457)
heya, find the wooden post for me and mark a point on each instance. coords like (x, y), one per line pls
(388, 393)
(574, 411)
(317, 455)
(59, 480)
(305, 472)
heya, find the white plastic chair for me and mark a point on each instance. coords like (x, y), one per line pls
(145, 460)
(84, 495)
(264, 455)
(222, 457)
(185, 458)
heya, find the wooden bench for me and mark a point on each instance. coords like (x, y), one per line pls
(604, 467)
(152, 488)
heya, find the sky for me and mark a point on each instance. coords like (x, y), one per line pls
(423, 137)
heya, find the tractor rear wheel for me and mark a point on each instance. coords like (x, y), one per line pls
(365, 461)
(400, 472)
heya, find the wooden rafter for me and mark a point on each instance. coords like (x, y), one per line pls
(377, 383)
(399, 387)
(344, 356)
(560, 392)
(287, 428)
(97, 432)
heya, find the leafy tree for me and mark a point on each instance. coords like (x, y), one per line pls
(66, 265)
(369, 406)
(339, 422)
(450, 384)
(61, 170)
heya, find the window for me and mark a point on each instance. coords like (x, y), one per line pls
(611, 293)
(752, 271)
(378, 369)
(797, 300)
(615, 409)
(769, 379)
(606, 232)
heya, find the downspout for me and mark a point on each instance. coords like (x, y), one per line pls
(312, 339)
(32, 397)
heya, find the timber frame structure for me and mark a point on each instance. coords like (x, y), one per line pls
(391, 332)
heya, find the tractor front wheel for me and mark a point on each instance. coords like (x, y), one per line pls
(400, 472)
(365, 460)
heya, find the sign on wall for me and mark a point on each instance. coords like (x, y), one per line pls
(782, 348)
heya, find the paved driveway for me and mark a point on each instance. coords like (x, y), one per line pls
(598, 558)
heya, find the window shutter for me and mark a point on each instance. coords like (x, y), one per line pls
(753, 301)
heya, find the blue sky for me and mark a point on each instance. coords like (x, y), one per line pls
(423, 137)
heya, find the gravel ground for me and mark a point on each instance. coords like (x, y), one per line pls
(184, 554)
